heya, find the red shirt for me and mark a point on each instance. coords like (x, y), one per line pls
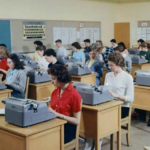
(3, 65)
(69, 102)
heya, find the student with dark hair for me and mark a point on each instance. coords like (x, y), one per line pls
(127, 59)
(50, 56)
(95, 66)
(120, 86)
(37, 43)
(43, 64)
(65, 101)
(3, 45)
(16, 77)
(87, 45)
(140, 41)
(113, 43)
(125, 49)
(61, 51)
(145, 52)
(78, 55)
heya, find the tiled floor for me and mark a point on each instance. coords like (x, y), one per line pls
(140, 136)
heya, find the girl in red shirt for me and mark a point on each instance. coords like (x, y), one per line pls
(65, 100)
(4, 54)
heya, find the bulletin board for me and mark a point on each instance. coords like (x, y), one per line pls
(67, 31)
(143, 30)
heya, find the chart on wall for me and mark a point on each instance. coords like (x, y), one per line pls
(70, 35)
(143, 30)
(34, 30)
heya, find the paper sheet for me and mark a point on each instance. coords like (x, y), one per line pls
(90, 34)
(143, 36)
(65, 36)
(72, 35)
(78, 34)
(139, 30)
(138, 36)
(82, 35)
(96, 34)
(143, 31)
(148, 37)
(2, 111)
(56, 34)
(148, 30)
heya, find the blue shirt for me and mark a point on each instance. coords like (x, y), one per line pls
(78, 56)
(10, 77)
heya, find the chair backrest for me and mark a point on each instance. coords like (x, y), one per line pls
(27, 88)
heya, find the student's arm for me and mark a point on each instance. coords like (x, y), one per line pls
(129, 65)
(81, 63)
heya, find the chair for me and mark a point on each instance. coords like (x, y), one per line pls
(27, 88)
(127, 121)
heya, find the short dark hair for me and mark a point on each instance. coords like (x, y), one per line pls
(119, 48)
(41, 48)
(58, 41)
(3, 45)
(16, 61)
(87, 41)
(61, 72)
(50, 52)
(113, 41)
(144, 45)
(141, 40)
(76, 45)
(122, 44)
(39, 43)
(117, 58)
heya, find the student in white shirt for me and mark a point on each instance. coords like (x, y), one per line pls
(43, 64)
(61, 51)
(113, 43)
(120, 85)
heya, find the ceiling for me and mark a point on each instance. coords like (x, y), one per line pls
(123, 1)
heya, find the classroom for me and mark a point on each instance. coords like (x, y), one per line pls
(75, 75)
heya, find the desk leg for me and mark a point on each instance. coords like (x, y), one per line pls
(62, 137)
(97, 143)
(119, 140)
(112, 141)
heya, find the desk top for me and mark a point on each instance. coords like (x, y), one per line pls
(102, 106)
(41, 84)
(142, 87)
(30, 130)
(85, 75)
(5, 91)
(146, 64)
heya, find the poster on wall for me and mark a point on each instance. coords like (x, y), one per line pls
(56, 34)
(34, 30)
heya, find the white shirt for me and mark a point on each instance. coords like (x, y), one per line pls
(61, 51)
(114, 46)
(122, 84)
(43, 64)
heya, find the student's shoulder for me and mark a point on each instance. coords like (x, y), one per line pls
(127, 75)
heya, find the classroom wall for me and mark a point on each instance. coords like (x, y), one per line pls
(133, 12)
(84, 10)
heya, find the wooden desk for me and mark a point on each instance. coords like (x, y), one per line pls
(44, 136)
(100, 121)
(139, 67)
(40, 91)
(4, 94)
(88, 79)
(142, 98)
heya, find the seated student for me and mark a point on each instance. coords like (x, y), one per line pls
(16, 77)
(87, 45)
(99, 42)
(61, 51)
(50, 56)
(36, 44)
(140, 41)
(78, 55)
(43, 64)
(113, 43)
(125, 49)
(65, 100)
(127, 59)
(95, 66)
(121, 87)
(3, 45)
(145, 52)
(4, 54)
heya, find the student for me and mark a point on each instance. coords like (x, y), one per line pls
(95, 66)
(78, 55)
(125, 49)
(4, 54)
(99, 42)
(127, 59)
(87, 45)
(121, 87)
(145, 52)
(61, 51)
(140, 41)
(36, 44)
(43, 64)
(113, 43)
(50, 56)
(3, 45)
(65, 101)
(16, 77)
